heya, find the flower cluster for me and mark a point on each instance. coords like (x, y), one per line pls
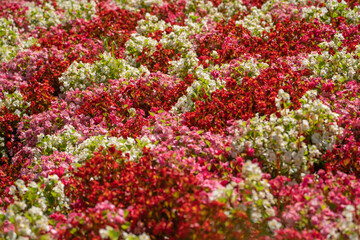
(10, 43)
(179, 119)
(294, 142)
(331, 9)
(28, 215)
(340, 66)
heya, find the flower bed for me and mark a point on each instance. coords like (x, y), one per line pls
(180, 119)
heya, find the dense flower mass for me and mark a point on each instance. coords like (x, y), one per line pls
(180, 119)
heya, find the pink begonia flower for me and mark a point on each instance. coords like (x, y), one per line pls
(315, 220)
(290, 217)
(8, 226)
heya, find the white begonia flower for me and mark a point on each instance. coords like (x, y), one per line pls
(12, 190)
(42, 202)
(50, 179)
(279, 129)
(278, 103)
(254, 195)
(269, 210)
(10, 211)
(287, 156)
(305, 125)
(130, 236)
(43, 223)
(305, 62)
(255, 215)
(21, 186)
(35, 211)
(323, 72)
(274, 225)
(252, 171)
(59, 188)
(105, 233)
(33, 184)
(24, 226)
(21, 204)
(314, 152)
(315, 138)
(348, 213)
(271, 156)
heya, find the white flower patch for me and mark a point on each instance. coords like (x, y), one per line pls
(130, 146)
(111, 68)
(340, 67)
(224, 194)
(282, 97)
(75, 9)
(68, 141)
(347, 224)
(195, 24)
(267, 6)
(253, 22)
(261, 200)
(10, 42)
(205, 83)
(2, 147)
(83, 75)
(137, 5)
(313, 12)
(185, 65)
(79, 75)
(250, 68)
(9, 36)
(43, 17)
(204, 6)
(47, 16)
(178, 39)
(274, 225)
(135, 45)
(231, 7)
(21, 186)
(33, 203)
(150, 24)
(300, 2)
(131, 236)
(332, 9)
(14, 102)
(105, 233)
(293, 141)
(62, 142)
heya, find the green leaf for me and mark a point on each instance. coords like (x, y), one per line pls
(126, 213)
(125, 226)
(45, 237)
(55, 194)
(114, 235)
